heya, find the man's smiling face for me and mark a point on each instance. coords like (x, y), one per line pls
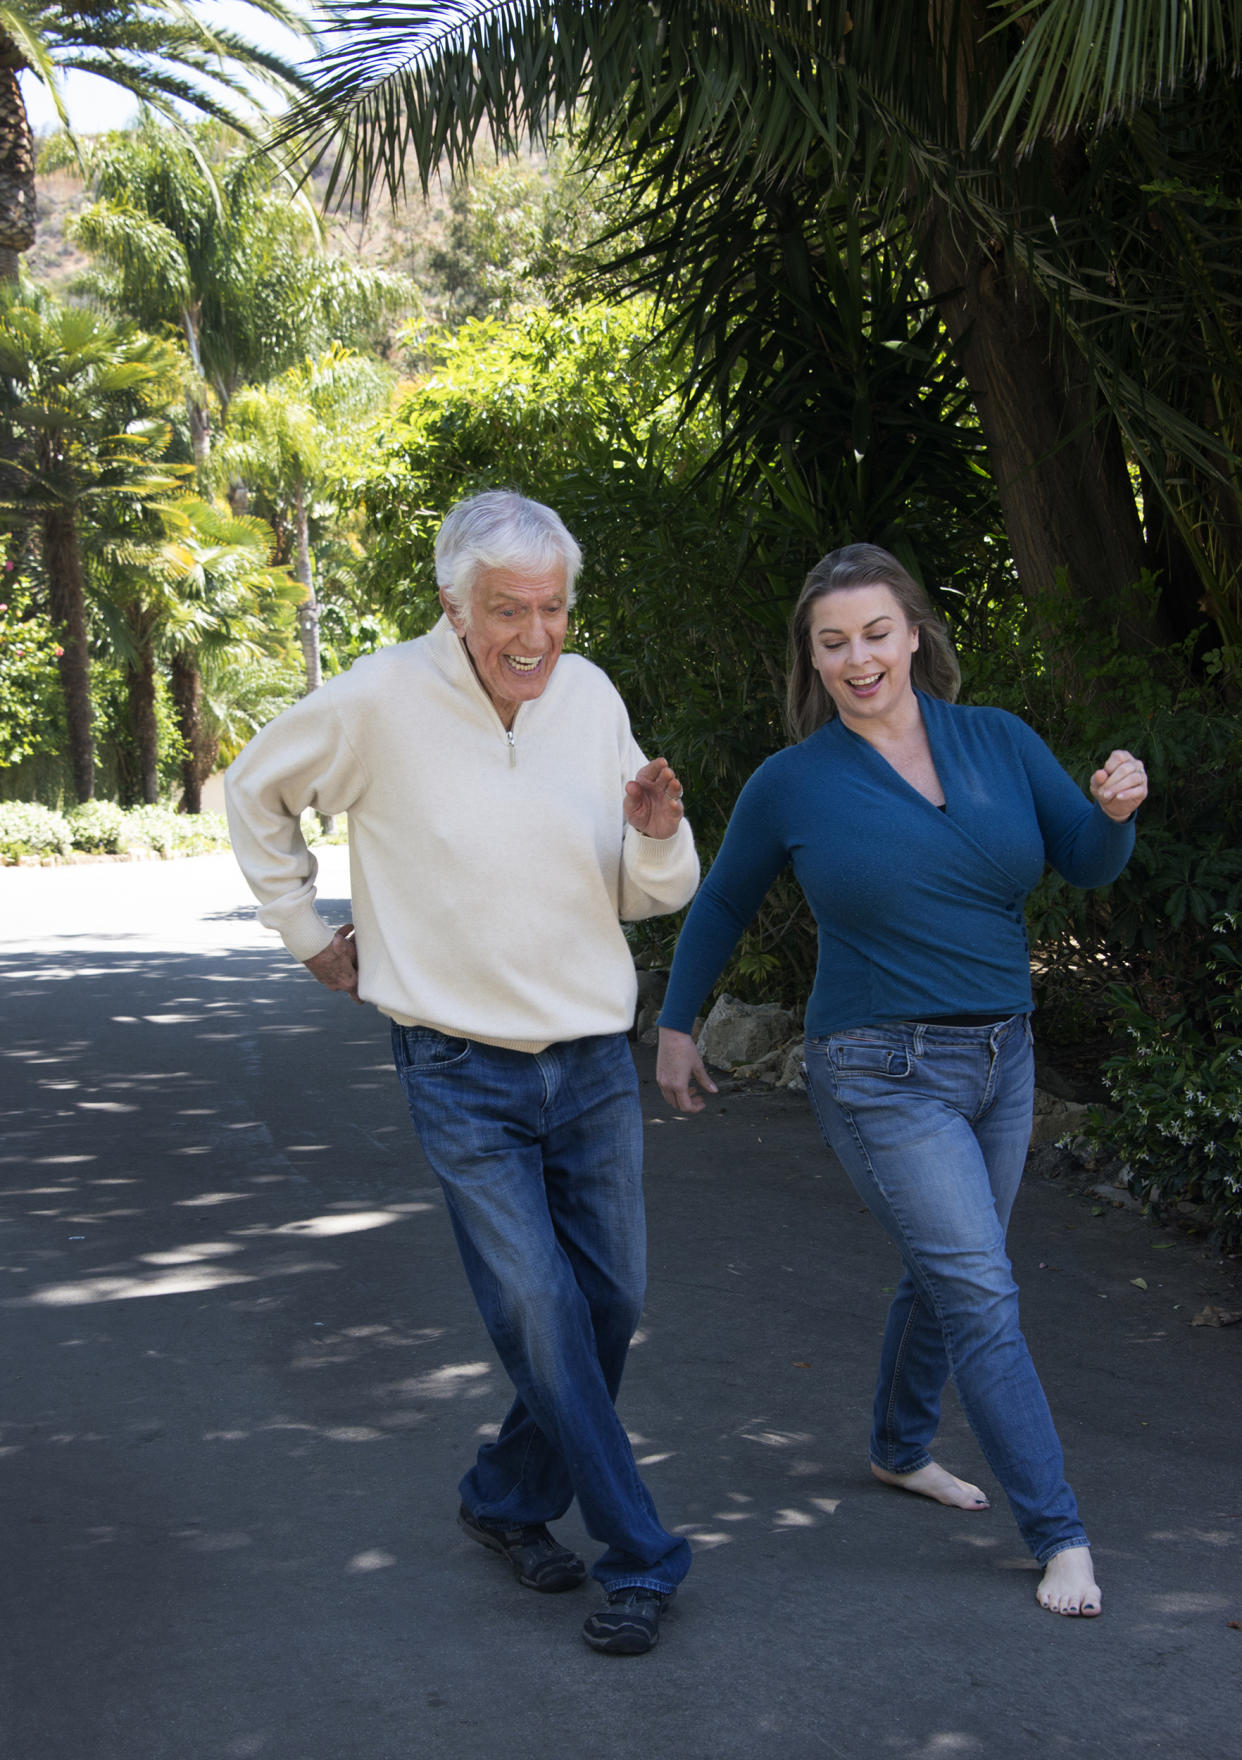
(515, 632)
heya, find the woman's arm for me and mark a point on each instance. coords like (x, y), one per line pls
(1087, 844)
(752, 854)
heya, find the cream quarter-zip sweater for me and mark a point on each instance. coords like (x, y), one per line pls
(489, 870)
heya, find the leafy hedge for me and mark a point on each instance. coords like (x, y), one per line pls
(103, 828)
(1177, 1086)
(27, 829)
(1151, 964)
(32, 718)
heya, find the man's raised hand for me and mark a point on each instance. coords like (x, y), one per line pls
(653, 800)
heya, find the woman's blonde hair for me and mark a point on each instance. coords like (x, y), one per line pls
(933, 665)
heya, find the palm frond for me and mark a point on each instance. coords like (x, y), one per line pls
(1084, 63)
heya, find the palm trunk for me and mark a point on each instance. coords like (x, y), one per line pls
(1058, 464)
(17, 166)
(140, 688)
(196, 399)
(1183, 594)
(201, 752)
(62, 557)
(308, 615)
(200, 432)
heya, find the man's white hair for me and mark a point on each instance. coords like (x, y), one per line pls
(501, 529)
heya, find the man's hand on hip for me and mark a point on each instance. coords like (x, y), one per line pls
(337, 966)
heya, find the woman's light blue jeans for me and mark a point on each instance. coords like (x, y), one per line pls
(540, 1159)
(932, 1125)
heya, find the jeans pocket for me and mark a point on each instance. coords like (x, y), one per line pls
(866, 1057)
(424, 1051)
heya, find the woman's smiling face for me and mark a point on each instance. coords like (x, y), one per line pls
(515, 632)
(861, 646)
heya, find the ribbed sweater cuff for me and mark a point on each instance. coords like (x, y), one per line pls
(303, 930)
(654, 854)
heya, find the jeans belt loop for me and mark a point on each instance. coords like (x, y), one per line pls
(916, 1046)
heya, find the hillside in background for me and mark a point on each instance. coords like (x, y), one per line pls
(403, 239)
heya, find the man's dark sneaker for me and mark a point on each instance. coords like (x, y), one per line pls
(539, 1561)
(629, 1625)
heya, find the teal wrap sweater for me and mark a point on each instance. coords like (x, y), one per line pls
(920, 911)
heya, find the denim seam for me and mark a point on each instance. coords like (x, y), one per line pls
(550, 1085)
(1061, 1546)
(892, 1398)
(930, 1293)
(848, 1116)
(997, 1043)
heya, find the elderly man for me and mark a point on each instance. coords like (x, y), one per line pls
(502, 822)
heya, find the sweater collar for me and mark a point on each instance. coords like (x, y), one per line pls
(448, 652)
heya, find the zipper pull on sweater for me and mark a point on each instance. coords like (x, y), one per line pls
(512, 747)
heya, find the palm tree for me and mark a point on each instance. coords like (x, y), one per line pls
(1012, 153)
(185, 582)
(216, 245)
(231, 604)
(221, 248)
(160, 51)
(283, 439)
(83, 431)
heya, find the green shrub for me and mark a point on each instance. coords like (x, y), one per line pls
(155, 828)
(100, 827)
(197, 834)
(27, 829)
(1177, 1085)
(170, 833)
(313, 829)
(32, 718)
(1153, 930)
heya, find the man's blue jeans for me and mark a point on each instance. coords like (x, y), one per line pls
(540, 1160)
(932, 1125)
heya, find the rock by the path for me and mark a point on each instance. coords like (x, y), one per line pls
(738, 1034)
(1056, 1118)
(652, 984)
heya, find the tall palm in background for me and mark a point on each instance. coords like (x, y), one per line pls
(189, 234)
(165, 53)
(1060, 173)
(83, 437)
(231, 610)
(283, 440)
(213, 242)
(184, 583)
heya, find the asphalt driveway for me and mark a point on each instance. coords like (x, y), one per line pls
(243, 1375)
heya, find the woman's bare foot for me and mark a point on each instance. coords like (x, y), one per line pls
(1068, 1585)
(934, 1482)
